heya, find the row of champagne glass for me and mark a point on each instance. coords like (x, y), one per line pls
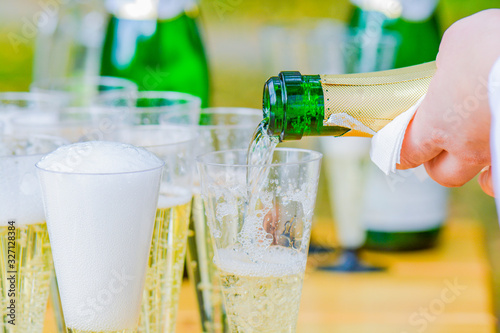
(143, 119)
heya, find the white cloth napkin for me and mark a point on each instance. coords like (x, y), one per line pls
(386, 143)
(494, 99)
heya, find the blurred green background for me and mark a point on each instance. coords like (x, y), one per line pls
(239, 63)
(232, 31)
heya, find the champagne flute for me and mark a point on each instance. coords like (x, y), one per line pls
(100, 201)
(174, 145)
(143, 112)
(347, 158)
(12, 105)
(347, 161)
(219, 128)
(260, 241)
(25, 251)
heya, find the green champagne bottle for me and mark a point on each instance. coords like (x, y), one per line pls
(402, 211)
(156, 44)
(341, 105)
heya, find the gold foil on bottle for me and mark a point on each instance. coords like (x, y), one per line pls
(374, 99)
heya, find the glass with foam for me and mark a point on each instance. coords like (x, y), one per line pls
(75, 124)
(25, 252)
(100, 201)
(260, 218)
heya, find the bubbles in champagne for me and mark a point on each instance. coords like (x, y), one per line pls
(100, 215)
(264, 296)
(278, 261)
(166, 262)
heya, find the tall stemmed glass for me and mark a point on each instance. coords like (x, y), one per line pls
(347, 161)
(347, 158)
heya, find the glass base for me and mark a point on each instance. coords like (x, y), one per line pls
(349, 262)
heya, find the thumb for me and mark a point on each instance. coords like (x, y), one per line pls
(418, 144)
(485, 181)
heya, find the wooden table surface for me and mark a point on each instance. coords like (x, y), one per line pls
(447, 289)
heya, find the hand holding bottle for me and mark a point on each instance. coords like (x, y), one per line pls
(450, 132)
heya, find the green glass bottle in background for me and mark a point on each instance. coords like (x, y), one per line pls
(157, 44)
(414, 22)
(404, 211)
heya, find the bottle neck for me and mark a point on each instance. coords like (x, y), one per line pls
(294, 106)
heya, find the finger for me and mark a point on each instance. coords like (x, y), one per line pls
(451, 171)
(418, 146)
(486, 181)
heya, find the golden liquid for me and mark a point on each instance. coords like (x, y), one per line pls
(34, 268)
(165, 270)
(203, 273)
(266, 304)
